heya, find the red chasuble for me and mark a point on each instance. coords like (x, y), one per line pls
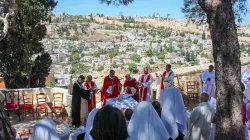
(92, 100)
(144, 91)
(162, 80)
(132, 83)
(116, 85)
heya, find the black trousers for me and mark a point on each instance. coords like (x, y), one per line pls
(180, 137)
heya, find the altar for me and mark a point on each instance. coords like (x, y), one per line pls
(127, 102)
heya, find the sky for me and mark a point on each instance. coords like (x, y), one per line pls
(138, 7)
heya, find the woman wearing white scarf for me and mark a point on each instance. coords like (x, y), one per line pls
(173, 114)
(45, 129)
(89, 124)
(146, 124)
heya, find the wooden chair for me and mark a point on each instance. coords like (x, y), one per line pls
(41, 104)
(58, 102)
(11, 102)
(27, 104)
(192, 91)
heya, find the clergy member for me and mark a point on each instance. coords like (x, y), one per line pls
(111, 87)
(77, 107)
(167, 79)
(90, 85)
(200, 119)
(208, 78)
(145, 81)
(129, 84)
(246, 81)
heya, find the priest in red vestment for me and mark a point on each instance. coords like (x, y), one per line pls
(145, 82)
(167, 79)
(131, 83)
(90, 85)
(111, 87)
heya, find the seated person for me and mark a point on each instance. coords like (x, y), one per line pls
(80, 132)
(45, 129)
(157, 107)
(128, 115)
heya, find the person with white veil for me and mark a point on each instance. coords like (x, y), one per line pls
(89, 124)
(173, 114)
(45, 129)
(145, 124)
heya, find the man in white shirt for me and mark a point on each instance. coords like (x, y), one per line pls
(145, 81)
(245, 79)
(208, 78)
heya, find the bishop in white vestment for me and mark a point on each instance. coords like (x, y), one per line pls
(208, 78)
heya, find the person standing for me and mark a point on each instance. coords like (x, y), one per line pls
(90, 85)
(167, 79)
(111, 87)
(245, 79)
(145, 82)
(200, 119)
(130, 86)
(77, 107)
(208, 78)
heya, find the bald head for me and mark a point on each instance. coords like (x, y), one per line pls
(204, 97)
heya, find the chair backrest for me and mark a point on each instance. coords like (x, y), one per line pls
(58, 98)
(28, 98)
(11, 96)
(41, 98)
(192, 86)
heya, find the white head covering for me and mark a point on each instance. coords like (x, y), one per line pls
(145, 124)
(45, 129)
(89, 124)
(173, 114)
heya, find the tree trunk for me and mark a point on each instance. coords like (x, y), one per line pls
(226, 52)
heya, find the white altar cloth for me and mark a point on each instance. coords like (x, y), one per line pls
(126, 103)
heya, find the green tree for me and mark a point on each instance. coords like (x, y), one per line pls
(41, 67)
(195, 41)
(101, 68)
(187, 56)
(150, 52)
(182, 52)
(136, 57)
(161, 55)
(132, 67)
(192, 56)
(204, 37)
(23, 40)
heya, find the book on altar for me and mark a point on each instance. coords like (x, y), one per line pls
(133, 90)
(110, 90)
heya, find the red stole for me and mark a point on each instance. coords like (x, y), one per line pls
(91, 102)
(145, 90)
(162, 79)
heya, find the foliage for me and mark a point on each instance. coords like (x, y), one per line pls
(161, 55)
(132, 67)
(136, 57)
(23, 40)
(101, 68)
(150, 52)
(204, 35)
(41, 67)
(195, 41)
(187, 56)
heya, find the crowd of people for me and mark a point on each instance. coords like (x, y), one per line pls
(166, 119)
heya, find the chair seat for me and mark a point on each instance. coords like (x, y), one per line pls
(57, 106)
(12, 105)
(42, 106)
(27, 106)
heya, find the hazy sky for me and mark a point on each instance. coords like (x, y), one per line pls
(138, 7)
